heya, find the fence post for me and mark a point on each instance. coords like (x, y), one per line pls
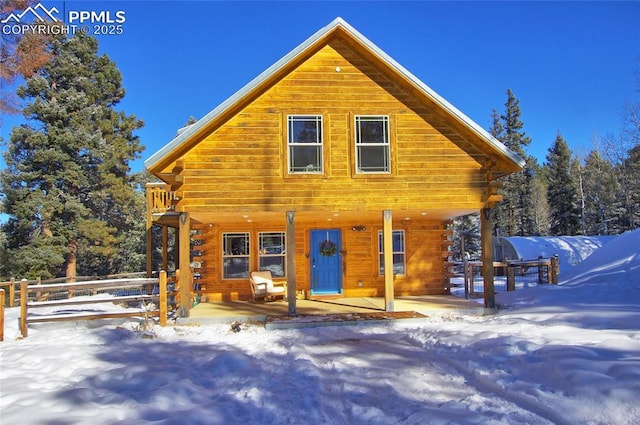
(12, 293)
(23, 307)
(163, 298)
(555, 269)
(511, 277)
(1, 314)
(472, 290)
(540, 272)
(465, 267)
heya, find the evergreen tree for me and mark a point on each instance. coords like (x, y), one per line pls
(67, 186)
(601, 189)
(562, 193)
(516, 214)
(634, 182)
(539, 199)
(466, 231)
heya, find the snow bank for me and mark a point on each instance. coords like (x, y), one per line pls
(554, 354)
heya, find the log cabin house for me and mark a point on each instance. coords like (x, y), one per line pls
(336, 169)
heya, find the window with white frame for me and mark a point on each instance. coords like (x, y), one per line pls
(398, 252)
(271, 253)
(235, 255)
(304, 143)
(372, 144)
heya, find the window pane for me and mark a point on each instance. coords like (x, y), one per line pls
(272, 243)
(236, 244)
(398, 263)
(373, 158)
(304, 130)
(305, 159)
(398, 241)
(274, 264)
(236, 267)
(373, 130)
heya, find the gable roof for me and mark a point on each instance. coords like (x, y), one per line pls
(182, 142)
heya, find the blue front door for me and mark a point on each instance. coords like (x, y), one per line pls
(326, 262)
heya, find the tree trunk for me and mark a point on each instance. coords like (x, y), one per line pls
(72, 260)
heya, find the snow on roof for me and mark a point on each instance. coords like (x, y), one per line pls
(571, 250)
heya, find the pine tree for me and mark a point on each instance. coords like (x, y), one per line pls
(633, 165)
(601, 189)
(67, 186)
(466, 232)
(516, 214)
(562, 193)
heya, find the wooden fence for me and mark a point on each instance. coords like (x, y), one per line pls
(9, 285)
(1, 315)
(79, 294)
(540, 271)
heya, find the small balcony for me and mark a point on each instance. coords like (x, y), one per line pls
(161, 200)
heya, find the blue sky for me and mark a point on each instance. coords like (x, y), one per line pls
(572, 65)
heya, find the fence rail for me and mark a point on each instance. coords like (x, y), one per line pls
(512, 274)
(122, 292)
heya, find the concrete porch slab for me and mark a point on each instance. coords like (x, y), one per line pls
(244, 311)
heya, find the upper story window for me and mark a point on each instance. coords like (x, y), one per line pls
(305, 144)
(372, 144)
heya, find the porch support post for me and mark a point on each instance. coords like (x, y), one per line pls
(487, 258)
(291, 262)
(387, 237)
(184, 262)
(149, 233)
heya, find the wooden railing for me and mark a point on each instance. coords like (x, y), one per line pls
(161, 200)
(79, 294)
(10, 286)
(545, 271)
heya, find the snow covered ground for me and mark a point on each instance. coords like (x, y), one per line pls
(566, 354)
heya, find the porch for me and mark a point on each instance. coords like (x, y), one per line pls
(313, 313)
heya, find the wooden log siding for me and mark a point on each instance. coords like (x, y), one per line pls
(238, 164)
(425, 249)
(243, 163)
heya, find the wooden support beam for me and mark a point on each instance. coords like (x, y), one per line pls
(185, 277)
(291, 262)
(162, 287)
(165, 247)
(387, 238)
(486, 229)
(149, 232)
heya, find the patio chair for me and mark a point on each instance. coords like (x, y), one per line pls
(264, 288)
